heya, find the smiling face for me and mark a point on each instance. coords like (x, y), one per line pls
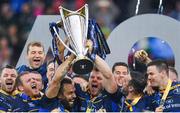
(35, 56)
(31, 84)
(95, 83)
(8, 78)
(154, 76)
(120, 72)
(69, 94)
(51, 70)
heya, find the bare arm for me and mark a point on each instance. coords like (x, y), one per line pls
(54, 85)
(108, 81)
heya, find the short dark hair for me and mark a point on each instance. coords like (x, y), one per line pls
(120, 64)
(172, 69)
(138, 81)
(64, 81)
(50, 61)
(34, 43)
(160, 65)
(6, 66)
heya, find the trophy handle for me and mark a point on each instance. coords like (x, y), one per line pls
(63, 42)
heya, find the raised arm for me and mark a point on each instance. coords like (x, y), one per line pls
(108, 81)
(61, 71)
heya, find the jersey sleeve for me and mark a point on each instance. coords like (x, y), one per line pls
(48, 104)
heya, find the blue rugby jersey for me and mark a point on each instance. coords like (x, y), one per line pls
(140, 106)
(42, 70)
(12, 103)
(39, 104)
(62, 106)
(172, 102)
(102, 102)
(118, 99)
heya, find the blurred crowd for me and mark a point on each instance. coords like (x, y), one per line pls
(17, 18)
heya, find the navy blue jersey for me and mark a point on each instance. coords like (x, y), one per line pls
(64, 107)
(60, 106)
(42, 70)
(12, 103)
(172, 102)
(149, 101)
(102, 102)
(140, 106)
(39, 104)
(120, 99)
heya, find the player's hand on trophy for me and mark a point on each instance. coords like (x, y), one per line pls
(53, 26)
(61, 48)
(91, 54)
(89, 45)
(84, 86)
(142, 56)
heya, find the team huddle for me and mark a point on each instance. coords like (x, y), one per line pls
(49, 87)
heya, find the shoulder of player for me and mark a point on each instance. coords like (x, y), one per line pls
(22, 68)
(175, 85)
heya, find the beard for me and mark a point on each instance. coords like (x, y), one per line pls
(66, 105)
(155, 88)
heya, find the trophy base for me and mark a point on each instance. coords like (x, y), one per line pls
(82, 66)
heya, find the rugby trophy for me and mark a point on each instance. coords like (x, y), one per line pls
(75, 26)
